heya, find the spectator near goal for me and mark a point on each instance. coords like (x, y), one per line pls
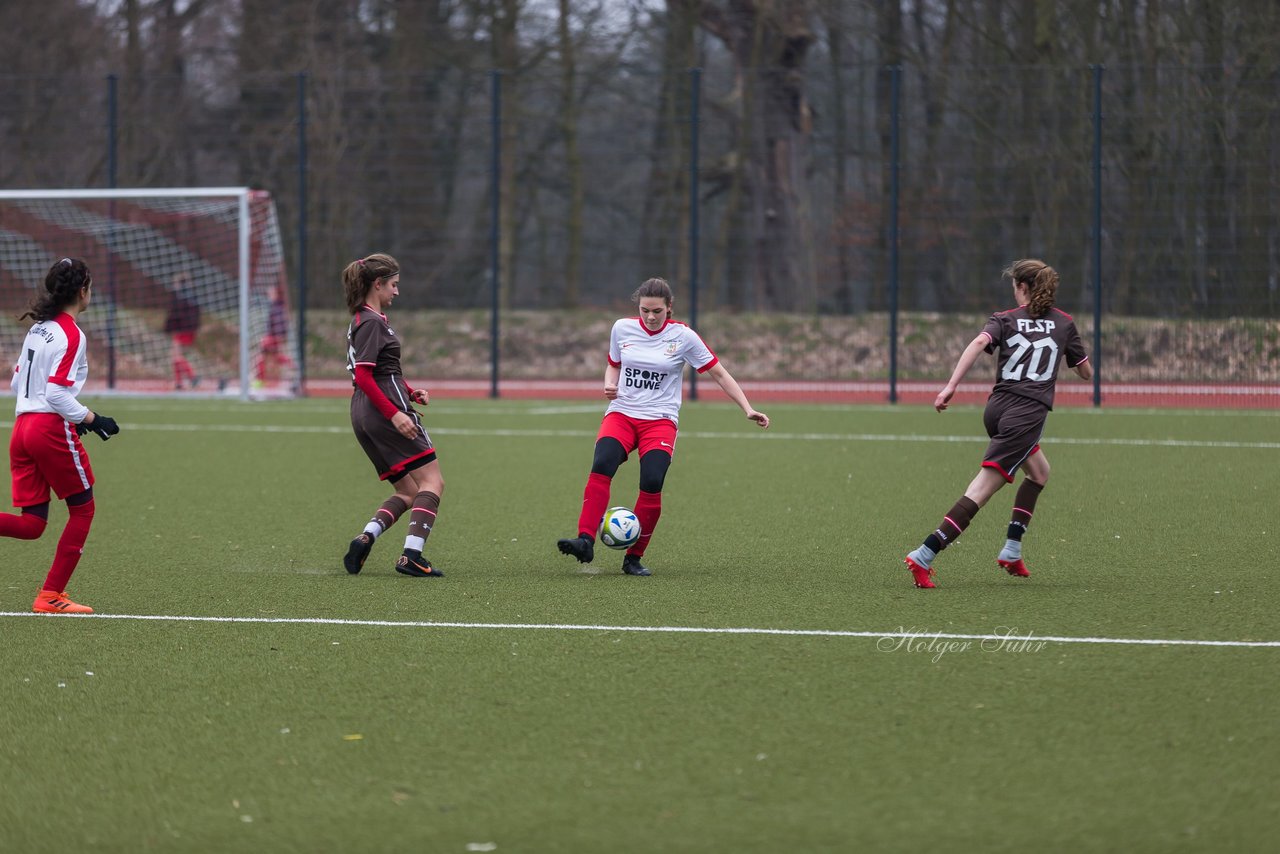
(45, 451)
(182, 323)
(272, 356)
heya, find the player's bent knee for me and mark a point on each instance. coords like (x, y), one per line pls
(653, 470)
(81, 504)
(31, 522)
(609, 455)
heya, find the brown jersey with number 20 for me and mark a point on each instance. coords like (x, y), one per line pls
(1030, 349)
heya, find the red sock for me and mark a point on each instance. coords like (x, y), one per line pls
(25, 526)
(648, 509)
(182, 368)
(595, 500)
(70, 546)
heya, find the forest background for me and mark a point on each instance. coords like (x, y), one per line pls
(768, 153)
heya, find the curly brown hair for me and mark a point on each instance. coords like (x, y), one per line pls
(1041, 281)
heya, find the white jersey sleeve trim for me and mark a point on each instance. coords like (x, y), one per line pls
(63, 402)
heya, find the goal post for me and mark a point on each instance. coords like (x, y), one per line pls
(190, 296)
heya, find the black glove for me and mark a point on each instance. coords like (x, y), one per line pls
(104, 425)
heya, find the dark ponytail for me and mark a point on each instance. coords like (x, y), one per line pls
(359, 277)
(62, 285)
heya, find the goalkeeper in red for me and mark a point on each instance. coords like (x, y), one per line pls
(643, 382)
(1029, 342)
(45, 452)
(383, 418)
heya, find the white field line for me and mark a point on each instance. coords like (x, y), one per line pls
(773, 436)
(197, 402)
(1011, 639)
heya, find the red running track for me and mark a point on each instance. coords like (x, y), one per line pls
(1070, 394)
(1162, 395)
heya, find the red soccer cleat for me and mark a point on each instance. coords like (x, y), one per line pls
(56, 602)
(923, 575)
(1015, 567)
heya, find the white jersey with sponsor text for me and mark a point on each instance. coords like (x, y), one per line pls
(55, 352)
(650, 385)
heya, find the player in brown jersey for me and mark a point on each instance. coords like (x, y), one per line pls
(384, 420)
(1030, 341)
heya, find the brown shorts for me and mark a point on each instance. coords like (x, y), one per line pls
(391, 453)
(1015, 425)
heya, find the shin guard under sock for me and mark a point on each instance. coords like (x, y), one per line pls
(648, 510)
(70, 546)
(595, 500)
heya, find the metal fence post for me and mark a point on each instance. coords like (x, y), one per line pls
(302, 232)
(495, 169)
(695, 88)
(1097, 235)
(113, 128)
(895, 83)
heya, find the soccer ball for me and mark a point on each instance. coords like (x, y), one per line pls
(619, 529)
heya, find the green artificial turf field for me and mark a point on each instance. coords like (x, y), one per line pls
(527, 703)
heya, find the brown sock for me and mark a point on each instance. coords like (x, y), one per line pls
(421, 519)
(1024, 505)
(952, 524)
(391, 510)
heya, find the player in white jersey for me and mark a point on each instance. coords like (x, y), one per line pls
(643, 382)
(45, 451)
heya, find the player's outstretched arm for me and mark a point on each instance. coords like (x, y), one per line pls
(725, 380)
(967, 358)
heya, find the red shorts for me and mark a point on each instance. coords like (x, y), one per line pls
(185, 339)
(656, 435)
(270, 344)
(45, 453)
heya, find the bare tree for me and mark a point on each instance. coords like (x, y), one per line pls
(55, 65)
(665, 217)
(573, 158)
(768, 42)
(505, 46)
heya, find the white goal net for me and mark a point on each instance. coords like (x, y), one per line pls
(190, 293)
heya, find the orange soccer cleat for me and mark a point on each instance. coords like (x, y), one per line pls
(56, 602)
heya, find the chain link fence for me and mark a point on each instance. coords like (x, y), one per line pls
(846, 228)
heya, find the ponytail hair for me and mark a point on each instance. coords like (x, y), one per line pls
(62, 286)
(1041, 281)
(653, 288)
(361, 275)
